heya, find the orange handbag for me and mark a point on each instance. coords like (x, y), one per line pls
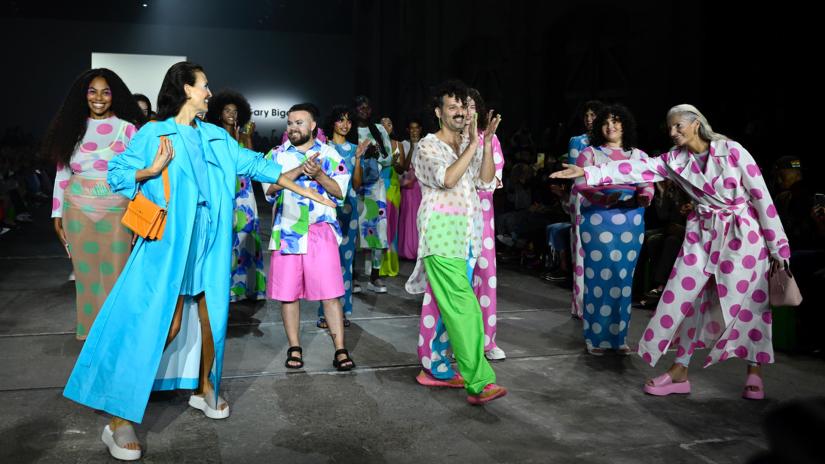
(145, 218)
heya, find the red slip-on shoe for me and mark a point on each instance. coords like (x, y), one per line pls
(429, 381)
(490, 392)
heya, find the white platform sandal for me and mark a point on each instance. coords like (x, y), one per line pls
(199, 402)
(117, 439)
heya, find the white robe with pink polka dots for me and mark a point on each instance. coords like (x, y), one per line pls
(730, 236)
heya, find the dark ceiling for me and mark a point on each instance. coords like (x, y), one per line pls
(315, 16)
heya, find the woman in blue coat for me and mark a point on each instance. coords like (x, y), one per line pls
(163, 325)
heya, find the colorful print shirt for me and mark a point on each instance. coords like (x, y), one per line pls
(449, 219)
(294, 213)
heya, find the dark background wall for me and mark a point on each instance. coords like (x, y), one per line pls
(255, 62)
(738, 62)
(742, 63)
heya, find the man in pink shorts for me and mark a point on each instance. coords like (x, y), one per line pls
(305, 234)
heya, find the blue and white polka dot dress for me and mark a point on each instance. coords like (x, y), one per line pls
(611, 238)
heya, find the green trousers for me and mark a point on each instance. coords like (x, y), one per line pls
(461, 315)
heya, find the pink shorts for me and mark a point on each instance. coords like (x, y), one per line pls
(314, 276)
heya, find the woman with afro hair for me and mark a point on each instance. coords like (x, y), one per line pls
(230, 110)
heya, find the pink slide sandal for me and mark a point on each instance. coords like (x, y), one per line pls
(754, 380)
(664, 385)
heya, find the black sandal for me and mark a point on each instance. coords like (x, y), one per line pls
(322, 323)
(294, 359)
(345, 364)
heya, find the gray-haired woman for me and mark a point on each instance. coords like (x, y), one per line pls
(717, 294)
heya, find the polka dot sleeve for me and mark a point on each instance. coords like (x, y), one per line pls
(644, 189)
(61, 180)
(430, 164)
(627, 172)
(762, 206)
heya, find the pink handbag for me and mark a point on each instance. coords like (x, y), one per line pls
(783, 289)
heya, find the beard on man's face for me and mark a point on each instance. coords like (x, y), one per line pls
(298, 138)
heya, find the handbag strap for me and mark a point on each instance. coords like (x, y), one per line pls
(166, 188)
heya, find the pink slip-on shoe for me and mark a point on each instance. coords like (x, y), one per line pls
(429, 381)
(490, 392)
(664, 385)
(754, 380)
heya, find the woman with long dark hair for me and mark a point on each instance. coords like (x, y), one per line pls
(163, 325)
(145, 105)
(410, 196)
(94, 124)
(230, 110)
(339, 124)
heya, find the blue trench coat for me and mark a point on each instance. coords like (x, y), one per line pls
(123, 358)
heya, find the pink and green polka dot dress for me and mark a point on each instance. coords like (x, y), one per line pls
(91, 214)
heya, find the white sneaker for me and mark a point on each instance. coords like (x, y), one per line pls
(71, 277)
(377, 286)
(356, 289)
(495, 354)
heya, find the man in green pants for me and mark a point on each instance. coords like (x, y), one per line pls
(449, 169)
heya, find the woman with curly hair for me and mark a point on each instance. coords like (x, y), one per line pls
(94, 124)
(339, 124)
(609, 234)
(230, 110)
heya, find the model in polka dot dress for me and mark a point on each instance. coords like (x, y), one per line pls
(575, 146)
(85, 211)
(348, 212)
(717, 294)
(609, 235)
